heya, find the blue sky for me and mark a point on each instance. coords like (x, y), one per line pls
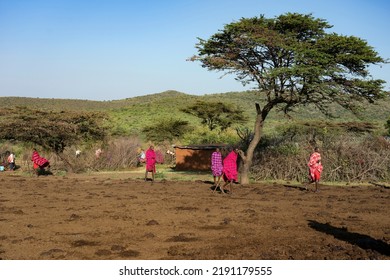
(115, 49)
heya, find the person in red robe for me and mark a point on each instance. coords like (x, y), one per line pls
(39, 162)
(150, 159)
(315, 167)
(230, 170)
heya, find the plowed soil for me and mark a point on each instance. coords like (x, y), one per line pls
(102, 216)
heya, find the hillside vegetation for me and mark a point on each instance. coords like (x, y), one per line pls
(129, 116)
(352, 146)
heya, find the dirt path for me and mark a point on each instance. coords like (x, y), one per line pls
(102, 216)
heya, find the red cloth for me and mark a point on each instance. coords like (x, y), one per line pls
(230, 167)
(150, 157)
(38, 160)
(315, 166)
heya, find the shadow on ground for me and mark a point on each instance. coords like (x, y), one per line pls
(363, 241)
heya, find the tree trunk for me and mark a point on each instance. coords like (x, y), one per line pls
(70, 168)
(245, 173)
(247, 158)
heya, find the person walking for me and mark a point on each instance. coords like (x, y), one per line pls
(216, 167)
(230, 170)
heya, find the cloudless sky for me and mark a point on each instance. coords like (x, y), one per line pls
(115, 49)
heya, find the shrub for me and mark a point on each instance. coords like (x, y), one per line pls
(346, 157)
(202, 135)
(387, 126)
(117, 154)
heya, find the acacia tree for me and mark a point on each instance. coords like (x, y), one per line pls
(166, 130)
(292, 61)
(53, 131)
(216, 114)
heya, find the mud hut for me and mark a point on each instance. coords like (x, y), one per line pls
(195, 157)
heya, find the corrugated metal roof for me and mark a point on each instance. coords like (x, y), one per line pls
(201, 147)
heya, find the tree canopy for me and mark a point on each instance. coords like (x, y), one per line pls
(216, 114)
(53, 131)
(292, 61)
(164, 130)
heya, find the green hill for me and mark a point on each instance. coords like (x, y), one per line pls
(129, 116)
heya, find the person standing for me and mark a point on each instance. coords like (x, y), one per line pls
(216, 167)
(150, 159)
(141, 157)
(98, 153)
(315, 167)
(11, 161)
(230, 170)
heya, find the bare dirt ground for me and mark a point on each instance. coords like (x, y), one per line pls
(101, 216)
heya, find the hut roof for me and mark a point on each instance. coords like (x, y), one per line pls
(201, 146)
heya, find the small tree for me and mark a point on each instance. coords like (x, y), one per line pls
(216, 114)
(166, 130)
(53, 131)
(293, 62)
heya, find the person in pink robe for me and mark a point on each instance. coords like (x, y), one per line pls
(230, 170)
(315, 168)
(216, 167)
(150, 159)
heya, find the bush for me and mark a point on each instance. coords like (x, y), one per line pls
(345, 156)
(117, 154)
(387, 126)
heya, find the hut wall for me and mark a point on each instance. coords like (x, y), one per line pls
(193, 159)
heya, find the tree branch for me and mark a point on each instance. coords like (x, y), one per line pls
(258, 108)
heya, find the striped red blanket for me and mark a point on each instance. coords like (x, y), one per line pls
(38, 160)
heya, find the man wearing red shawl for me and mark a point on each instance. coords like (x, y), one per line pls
(216, 167)
(230, 170)
(39, 162)
(315, 167)
(150, 159)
